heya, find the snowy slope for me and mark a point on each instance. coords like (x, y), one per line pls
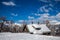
(25, 36)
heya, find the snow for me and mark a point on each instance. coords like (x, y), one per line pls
(26, 36)
(43, 27)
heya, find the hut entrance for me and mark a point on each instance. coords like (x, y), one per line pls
(25, 28)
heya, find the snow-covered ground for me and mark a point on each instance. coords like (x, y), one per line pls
(26, 36)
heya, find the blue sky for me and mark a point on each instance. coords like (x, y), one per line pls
(19, 10)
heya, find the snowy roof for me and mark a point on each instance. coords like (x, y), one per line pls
(43, 27)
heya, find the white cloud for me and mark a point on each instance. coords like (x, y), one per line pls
(30, 17)
(20, 20)
(46, 10)
(42, 18)
(9, 3)
(45, 15)
(49, 17)
(40, 9)
(43, 9)
(13, 14)
(50, 9)
(52, 18)
(51, 5)
(36, 14)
